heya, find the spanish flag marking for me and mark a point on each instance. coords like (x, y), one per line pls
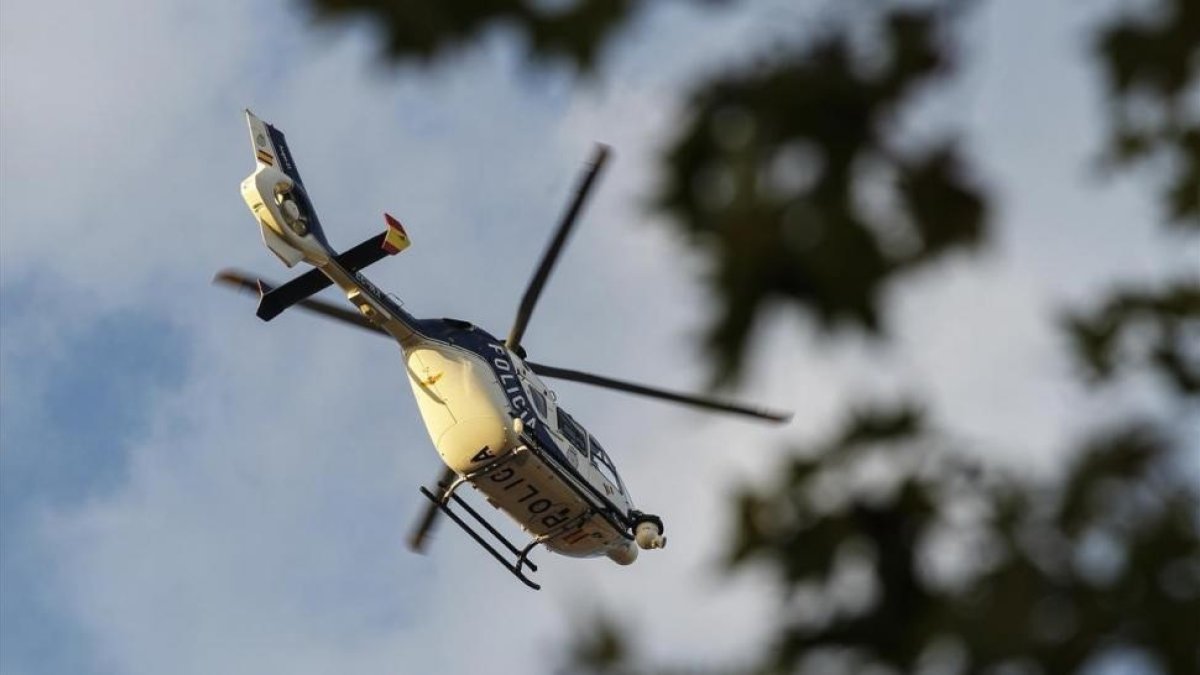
(265, 157)
(396, 239)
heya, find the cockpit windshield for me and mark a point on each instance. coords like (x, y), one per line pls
(602, 462)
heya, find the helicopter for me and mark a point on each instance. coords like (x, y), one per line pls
(495, 424)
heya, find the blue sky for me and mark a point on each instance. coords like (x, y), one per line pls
(185, 489)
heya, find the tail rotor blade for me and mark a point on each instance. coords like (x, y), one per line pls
(429, 517)
(550, 256)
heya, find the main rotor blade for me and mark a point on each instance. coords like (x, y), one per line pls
(416, 540)
(661, 394)
(550, 256)
(241, 280)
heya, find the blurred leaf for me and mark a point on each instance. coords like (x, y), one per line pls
(600, 648)
(1150, 64)
(417, 30)
(768, 174)
(874, 424)
(1031, 594)
(1155, 52)
(1166, 320)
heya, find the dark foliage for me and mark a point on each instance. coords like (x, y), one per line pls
(1151, 64)
(768, 175)
(1052, 574)
(1168, 323)
(421, 30)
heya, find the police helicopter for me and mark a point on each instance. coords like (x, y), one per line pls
(494, 422)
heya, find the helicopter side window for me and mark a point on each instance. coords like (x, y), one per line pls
(539, 402)
(574, 433)
(604, 464)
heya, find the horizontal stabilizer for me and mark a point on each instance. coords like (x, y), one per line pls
(274, 302)
(249, 282)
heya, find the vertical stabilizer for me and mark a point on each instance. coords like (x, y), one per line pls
(276, 195)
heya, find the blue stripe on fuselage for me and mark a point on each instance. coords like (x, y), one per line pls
(284, 153)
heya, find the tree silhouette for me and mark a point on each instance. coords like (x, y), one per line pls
(944, 565)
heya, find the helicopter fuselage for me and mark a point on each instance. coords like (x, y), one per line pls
(496, 424)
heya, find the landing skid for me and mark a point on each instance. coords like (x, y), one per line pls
(522, 555)
(599, 505)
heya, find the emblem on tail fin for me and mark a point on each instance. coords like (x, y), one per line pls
(276, 196)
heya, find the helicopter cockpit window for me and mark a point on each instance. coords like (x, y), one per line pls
(605, 465)
(539, 402)
(571, 429)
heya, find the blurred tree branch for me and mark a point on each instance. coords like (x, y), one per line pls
(1027, 586)
(421, 31)
(1168, 321)
(768, 177)
(1150, 64)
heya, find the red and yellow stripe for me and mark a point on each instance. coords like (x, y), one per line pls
(396, 239)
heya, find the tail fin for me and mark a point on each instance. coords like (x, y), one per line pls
(275, 194)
